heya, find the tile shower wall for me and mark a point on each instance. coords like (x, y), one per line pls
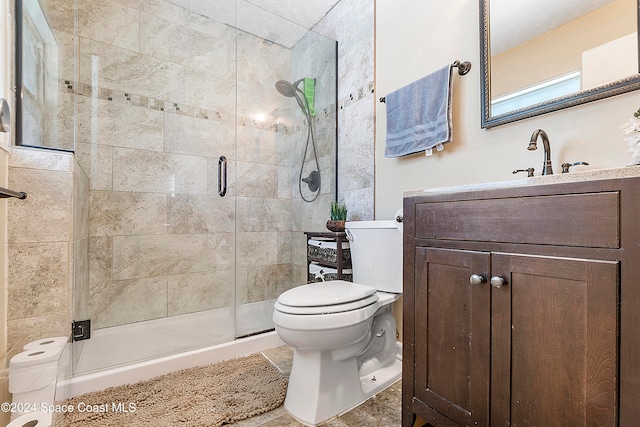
(351, 23)
(155, 107)
(161, 239)
(310, 60)
(150, 147)
(47, 242)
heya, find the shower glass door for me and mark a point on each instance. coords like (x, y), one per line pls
(196, 177)
(275, 151)
(155, 95)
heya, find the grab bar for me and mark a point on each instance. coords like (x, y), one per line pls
(222, 176)
(5, 192)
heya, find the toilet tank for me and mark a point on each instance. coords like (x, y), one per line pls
(376, 254)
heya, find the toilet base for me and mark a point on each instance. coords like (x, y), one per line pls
(321, 388)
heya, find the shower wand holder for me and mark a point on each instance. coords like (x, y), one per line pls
(312, 181)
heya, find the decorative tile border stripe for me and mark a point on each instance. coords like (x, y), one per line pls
(357, 95)
(127, 98)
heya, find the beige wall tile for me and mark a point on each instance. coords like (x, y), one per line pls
(183, 45)
(284, 247)
(263, 64)
(154, 172)
(258, 145)
(109, 123)
(80, 202)
(109, 22)
(214, 92)
(147, 256)
(267, 282)
(22, 331)
(256, 180)
(62, 65)
(127, 213)
(312, 216)
(31, 158)
(257, 248)
(198, 137)
(100, 259)
(97, 161)
(299, 248)
(201, 214)
(164, 38)
(359, 203)
(162, 9)
(286, 188)
(256, 214)
(298, 275)
(356, 156)
(47, 206)
(79, 294)
(223, 250)
(189, 293)
(327, 174)
(121, 302)
(38, 278)
(206, 25)
(60, 14)
(124, 70)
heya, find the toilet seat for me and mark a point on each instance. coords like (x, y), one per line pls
(334, 296)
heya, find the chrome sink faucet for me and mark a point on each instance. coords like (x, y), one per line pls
(533, 145)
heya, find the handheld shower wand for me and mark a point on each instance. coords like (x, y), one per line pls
(291, 90)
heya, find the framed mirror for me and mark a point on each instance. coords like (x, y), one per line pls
(539, 56)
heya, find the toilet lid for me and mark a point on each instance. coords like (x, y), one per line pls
(326, 297)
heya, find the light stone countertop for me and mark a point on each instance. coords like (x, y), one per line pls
(590, 175)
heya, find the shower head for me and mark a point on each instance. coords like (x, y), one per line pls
(287, 89)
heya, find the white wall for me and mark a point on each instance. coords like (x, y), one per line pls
(417, 37)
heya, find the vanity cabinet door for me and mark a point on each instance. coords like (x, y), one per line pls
(554, 342)
(452, 335)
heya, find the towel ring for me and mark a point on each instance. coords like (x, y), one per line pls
(463, 69)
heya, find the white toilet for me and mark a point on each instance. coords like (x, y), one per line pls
(343, 333)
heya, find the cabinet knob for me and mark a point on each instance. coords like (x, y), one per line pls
(497, 282)
(476, 279)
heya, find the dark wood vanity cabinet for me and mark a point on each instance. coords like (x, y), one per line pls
(520, 306)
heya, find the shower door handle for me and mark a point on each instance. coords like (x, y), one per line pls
(222, 176)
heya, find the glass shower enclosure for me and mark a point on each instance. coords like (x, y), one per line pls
(194, 214)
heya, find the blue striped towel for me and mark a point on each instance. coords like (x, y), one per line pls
(419, 114)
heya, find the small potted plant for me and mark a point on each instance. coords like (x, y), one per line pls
(338, 216)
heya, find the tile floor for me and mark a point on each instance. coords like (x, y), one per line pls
(382, 410)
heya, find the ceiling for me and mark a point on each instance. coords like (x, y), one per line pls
(515, 22)
(280, 21)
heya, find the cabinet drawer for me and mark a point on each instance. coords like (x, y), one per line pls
(588, 220)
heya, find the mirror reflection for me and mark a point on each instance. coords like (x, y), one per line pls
(545, 50)
(38, 76)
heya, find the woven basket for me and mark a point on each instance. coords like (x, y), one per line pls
(329, 252)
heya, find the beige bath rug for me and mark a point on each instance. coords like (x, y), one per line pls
(207, 396)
